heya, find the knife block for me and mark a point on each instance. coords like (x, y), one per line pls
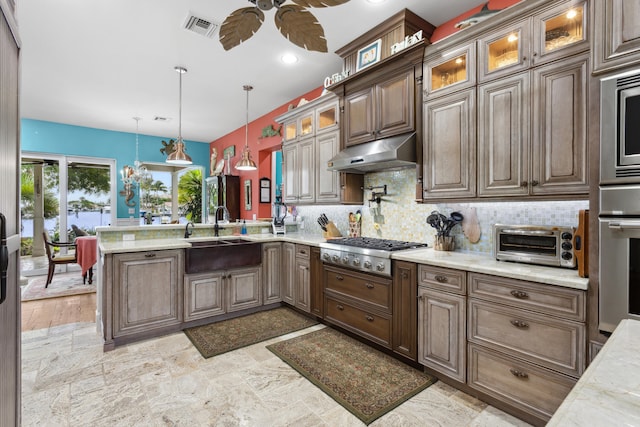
(332, 231)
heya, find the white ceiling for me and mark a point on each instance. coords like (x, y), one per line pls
(99, 63)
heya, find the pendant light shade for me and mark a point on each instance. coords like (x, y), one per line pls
(178, 156)
(245, 163)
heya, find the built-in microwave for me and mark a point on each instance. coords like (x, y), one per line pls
(620, 128)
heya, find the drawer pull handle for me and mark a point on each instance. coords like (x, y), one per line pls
(339, 277)
(519, 374)
(303, 252)
(370, 285)
(339, 307)
(405, 275)
(519, 324)
(520, 294)
(440, 278)
(369, 318)
(149, 255)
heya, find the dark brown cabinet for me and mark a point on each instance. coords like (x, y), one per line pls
(383, 109)
(405, 309)
(317, 291)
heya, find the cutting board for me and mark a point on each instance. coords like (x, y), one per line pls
(471, 225)
(581, 243)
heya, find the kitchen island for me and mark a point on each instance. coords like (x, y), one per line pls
(608, 393)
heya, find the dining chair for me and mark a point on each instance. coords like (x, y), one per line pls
(56, 259)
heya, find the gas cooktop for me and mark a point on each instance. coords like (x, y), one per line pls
(373, 243)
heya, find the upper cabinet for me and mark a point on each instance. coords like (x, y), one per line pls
(551, 34)
(616, 41)
(383, 109)
(450, 70)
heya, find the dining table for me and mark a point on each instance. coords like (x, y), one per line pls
(87, 255)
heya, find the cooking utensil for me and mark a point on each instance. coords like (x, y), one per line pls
(358, 215)
(324, 218)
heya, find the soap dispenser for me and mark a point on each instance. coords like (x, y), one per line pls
(244, 227)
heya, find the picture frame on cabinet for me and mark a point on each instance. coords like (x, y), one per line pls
(265, 190)
(368, 55)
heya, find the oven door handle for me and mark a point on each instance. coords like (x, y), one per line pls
(622, 225)
(528, 232)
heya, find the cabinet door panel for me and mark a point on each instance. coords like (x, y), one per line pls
(359, 117)
(405, 309)
(328, 182)
(616, 42)
(203, 296)
(303, 282)
(288, 266)
(503, 136)
(395, 101)
(290, 173)
(272, 272)
(504, 52)
(450, 146)
(559, 143)
(441, 332)
(306, 170)
(244, 289)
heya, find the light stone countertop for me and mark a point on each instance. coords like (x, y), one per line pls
(608, 393)
(478, 263)
(459, 260)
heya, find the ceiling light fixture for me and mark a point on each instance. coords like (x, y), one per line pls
(138, 172)
(289, 58)
(178, 156)
(245, 163)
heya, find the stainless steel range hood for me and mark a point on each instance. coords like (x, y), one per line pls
(383, 154)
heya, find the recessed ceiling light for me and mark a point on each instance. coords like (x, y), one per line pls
(376, 1)
(289, 58)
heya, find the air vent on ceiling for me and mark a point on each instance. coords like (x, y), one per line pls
(202, 26)
(161, 119)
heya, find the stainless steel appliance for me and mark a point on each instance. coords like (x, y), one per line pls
(619, 255)
(620, 129)
(363, 253)
(279, 214)
(535, 244)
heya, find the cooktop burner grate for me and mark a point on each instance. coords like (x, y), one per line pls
(373, 243)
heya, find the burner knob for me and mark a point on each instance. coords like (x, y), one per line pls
(345, 259)
(326, 257)
(356, 261)
(335, 258)
(380, 266)
(367, 264)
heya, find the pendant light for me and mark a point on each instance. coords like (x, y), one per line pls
(245, 163)
(138, 172)
(179, 157)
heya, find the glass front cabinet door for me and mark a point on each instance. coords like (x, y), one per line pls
(327, 117)
(505, 51)
(449, 71)
(560, 31)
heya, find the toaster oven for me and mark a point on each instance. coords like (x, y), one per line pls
(535, 244)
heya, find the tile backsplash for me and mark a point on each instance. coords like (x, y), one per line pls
(399, 217)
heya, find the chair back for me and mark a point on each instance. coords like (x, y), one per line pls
(47, 244)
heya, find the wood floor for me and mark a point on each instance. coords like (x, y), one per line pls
(49, 312)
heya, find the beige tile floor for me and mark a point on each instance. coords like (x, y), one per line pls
(67, 380)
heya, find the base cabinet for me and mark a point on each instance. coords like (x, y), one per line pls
(271, 272)
(297, 276)
(405, 309)
(220, 292)
(136, 310)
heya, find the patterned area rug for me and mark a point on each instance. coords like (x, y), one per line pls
(367, 382)
(62, 284)
(221, 337)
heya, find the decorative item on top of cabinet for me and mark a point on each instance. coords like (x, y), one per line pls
(449, 151)
(616, 35)
(442, 320)
(550, 34)
(447, 71)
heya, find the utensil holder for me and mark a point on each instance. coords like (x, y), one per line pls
(355, 228)
(444, 243)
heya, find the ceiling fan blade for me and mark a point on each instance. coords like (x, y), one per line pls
(240, 26)
(319, 3)
(301, 28)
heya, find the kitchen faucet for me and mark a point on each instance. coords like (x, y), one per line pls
(225, 216)
(188, 232)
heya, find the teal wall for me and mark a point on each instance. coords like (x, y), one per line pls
(57, 138)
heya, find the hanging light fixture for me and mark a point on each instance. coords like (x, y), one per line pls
(245, 163)
(178, 156)
(138, 172)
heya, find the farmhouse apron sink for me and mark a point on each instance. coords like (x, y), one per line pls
(223, 254)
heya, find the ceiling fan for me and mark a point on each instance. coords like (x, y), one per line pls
(295, 23)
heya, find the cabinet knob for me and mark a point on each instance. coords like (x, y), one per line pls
(228, 276)
(303, 252)
(520, 294)
(519, 324)
(440, 278)
(339, 277)
(369, 318)
(149, 255)
(369, 285)
(518, 373)
(524, 184)
(524, 58)
(405, 275)
(534, 183)
(339, 307)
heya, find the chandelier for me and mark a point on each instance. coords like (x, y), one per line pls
(137, 173)
(178, 156)
(245, 163)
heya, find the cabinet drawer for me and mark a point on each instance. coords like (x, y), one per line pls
(443, 279)
(374, 327)
(533, 389)
(359, 286)
(554, 343)
(548, 299)
(303, 251)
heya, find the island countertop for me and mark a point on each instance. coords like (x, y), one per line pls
(608, 393)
